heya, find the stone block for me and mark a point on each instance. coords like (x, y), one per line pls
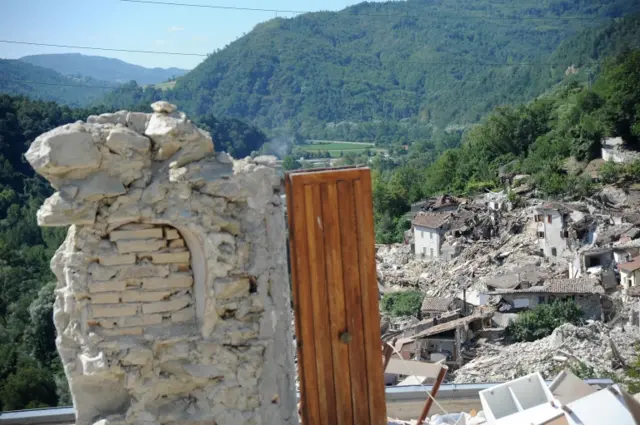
(108, 286)
(127, 322)
(117, 260)
(137, 226)
(99, 272)
(114, 311)
(117, 235)
(137, 356)
(173, 281)
(144, 270)
(106, 298)
(176, 243)
(122, 332)
(144, 296)
(186, 315)
(124, 141)
(175, 304)
(231, 288)
(171, 234)
(170, 257)
(142, 245)
(182, 268)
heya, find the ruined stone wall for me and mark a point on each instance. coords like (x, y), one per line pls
(172, 304)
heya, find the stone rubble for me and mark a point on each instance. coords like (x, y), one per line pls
(570, 345)
(510, 247)
(172, 303)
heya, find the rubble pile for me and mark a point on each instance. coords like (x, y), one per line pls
(399, 269)
(594, 346)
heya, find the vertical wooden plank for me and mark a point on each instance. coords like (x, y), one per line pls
(336, 288)
(320, 303)
(368, 279)
(302, 302)
(353, 299)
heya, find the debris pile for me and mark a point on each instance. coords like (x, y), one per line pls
(596, 349)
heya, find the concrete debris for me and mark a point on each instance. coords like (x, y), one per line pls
(520, 248)
(596, 349)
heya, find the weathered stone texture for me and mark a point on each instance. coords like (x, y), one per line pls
(172, 301)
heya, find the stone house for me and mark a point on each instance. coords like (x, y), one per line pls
(552, 228)
(599, 262)
(428, 233)
(613, 150)
(447, 341)
(586, 292)
(630, 273)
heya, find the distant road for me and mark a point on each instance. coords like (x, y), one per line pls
(317, 142)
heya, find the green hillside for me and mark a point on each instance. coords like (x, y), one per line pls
(433, 62)
(21, 78)
(101, 68)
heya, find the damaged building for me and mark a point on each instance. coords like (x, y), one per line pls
(586, 292)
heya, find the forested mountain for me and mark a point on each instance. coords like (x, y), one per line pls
(101, 68)
(540, 138)
(437, 62)
(21, 78)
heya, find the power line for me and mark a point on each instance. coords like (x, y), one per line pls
(58, 84)
(381, 61)
(67, 46)
(251, 9)
(207, 6)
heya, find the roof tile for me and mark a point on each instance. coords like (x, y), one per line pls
(431, 220)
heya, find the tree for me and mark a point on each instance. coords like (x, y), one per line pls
(542, 320)
(29, 388)
(290, 163)
(405, 303)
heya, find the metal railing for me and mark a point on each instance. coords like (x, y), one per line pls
(66, 415)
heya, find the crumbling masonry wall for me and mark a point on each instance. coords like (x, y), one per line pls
(172, 304)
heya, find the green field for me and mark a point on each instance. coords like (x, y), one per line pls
(334, 148)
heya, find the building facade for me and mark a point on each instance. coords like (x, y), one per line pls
(428, 234)
(551, 229)
(586, 293)
(630, 273)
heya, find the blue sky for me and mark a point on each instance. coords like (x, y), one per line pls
(117, 24)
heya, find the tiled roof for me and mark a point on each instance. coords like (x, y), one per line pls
(436, 304)
(451, 325)
(557, 206)
(631, 266)
(431, 220)
(558, 286)
(511, 280)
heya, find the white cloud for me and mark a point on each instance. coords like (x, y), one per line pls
(176, 29)
(200, 38)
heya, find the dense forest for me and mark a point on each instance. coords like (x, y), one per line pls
(538, 139)
(432, 62)
(354, 76)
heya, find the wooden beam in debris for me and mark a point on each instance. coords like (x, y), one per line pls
(335, 292)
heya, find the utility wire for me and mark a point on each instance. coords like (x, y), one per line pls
(251, 9)
(58, 84)
(67, 46)
(382, 62)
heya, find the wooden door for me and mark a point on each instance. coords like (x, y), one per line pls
(335, 290)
